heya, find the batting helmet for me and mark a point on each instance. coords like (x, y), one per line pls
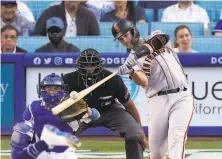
(122, 27)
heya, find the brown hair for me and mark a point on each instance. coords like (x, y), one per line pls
(9, 27)
(178, 28)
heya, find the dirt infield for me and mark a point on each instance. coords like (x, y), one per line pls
(116, 138)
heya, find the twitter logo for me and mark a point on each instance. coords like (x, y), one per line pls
(47, 61)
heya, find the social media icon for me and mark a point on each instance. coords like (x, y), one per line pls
(47, 61)
(58, 60)
(69, 60)
(37, 61)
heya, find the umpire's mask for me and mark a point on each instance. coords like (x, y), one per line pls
(89, 65)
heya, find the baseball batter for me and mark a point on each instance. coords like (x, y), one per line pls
(170, 100)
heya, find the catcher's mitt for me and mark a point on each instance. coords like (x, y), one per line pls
(74, 112)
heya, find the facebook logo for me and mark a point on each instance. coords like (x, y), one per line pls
(37, 61)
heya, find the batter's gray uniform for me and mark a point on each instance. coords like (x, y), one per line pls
(170, 106)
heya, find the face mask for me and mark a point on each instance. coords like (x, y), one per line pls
(186, 3)
(55, 35)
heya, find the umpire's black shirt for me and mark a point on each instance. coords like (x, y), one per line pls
(105, 95)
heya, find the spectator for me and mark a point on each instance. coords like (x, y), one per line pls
(217, 31)
(125, 9)
(104, 6)
(92, 8)
(78, 20)
(24, 10)
(9, 37)
(9, 16)
(183, 40)
(56, 32)
(186, 11)
(155, 5)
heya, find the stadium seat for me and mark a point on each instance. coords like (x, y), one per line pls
(197, 29)
(214, 14)
(160, 14)
(30, 43)
(211, 27)
(105, 28)
(38, 6)
(102, 44)
(215, 4)
(149, 14)
(209, 44)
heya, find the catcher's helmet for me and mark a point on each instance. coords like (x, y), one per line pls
(89, 64)
(52, 100)
(122, 27)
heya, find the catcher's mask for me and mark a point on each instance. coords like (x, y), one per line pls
(122, 27)
(52, 90)
(89, 65)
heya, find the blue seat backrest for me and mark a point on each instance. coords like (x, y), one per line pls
(211, 27)
(197, 29)
(214, 14)
(100, 43)
(149, 14)
(105, 28)
(38, 6)
(31, 43)
(208, 44)
(160, 14)
(211, 4)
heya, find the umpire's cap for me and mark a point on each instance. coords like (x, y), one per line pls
(121, 27)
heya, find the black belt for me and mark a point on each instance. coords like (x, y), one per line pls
(171, 91)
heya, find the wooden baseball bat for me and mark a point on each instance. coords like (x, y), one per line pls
(67, 103)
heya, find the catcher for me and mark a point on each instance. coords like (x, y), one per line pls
(43, 135)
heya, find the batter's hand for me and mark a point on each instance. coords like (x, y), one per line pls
(153, 44)
(127, 67)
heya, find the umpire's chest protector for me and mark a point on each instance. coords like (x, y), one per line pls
(101, 98)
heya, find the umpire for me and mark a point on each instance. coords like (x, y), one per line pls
(109, 99)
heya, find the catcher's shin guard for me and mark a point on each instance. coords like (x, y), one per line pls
(152, 45)
(54, 137)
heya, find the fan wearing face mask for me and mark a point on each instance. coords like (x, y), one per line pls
(56, 33)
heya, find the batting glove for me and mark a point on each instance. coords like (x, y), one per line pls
(155, 43)
(127, 67)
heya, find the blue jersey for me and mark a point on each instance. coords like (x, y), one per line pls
(21, 139)
(38, 116)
